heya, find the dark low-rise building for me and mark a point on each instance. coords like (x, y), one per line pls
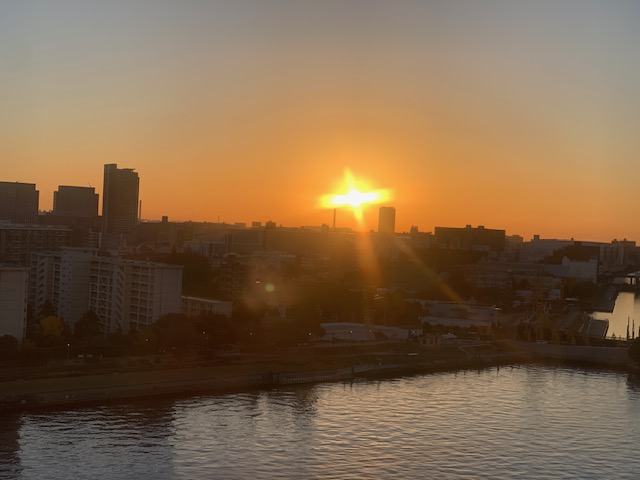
(18, 202)
(17, 242)
(469, 238)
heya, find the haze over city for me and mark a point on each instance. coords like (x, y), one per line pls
(515, 116)
(319, 239)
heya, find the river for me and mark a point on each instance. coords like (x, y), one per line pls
(512, 422)
(626, 309)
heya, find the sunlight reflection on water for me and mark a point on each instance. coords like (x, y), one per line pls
(626, 309)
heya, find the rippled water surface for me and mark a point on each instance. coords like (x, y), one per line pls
(521, 422)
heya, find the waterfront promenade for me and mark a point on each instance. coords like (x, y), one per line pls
(43, 388)
(51, 387)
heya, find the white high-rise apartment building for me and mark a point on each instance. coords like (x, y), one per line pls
(132, 294)
(74, 272)
(62, 278)
(123, 293)
(13, 301)
(44, 280)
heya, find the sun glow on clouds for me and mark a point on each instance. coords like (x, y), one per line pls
(357, 196)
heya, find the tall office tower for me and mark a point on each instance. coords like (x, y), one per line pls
(119, 202)
(18, 202)
(387, 220)
(78, 202)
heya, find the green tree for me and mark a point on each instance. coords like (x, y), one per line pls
(176, 330)
(8, 342)
(48, 310)
(51, 326)
(88, 326)
(584, 290)
(146, 340)
(49, 332)
(634, 350)
(117, 344)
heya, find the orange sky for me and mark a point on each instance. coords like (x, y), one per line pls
(518, 117)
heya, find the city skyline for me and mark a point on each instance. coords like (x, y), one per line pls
(363, 208)
(510, 116)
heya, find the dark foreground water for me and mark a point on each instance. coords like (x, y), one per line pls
(521, 422)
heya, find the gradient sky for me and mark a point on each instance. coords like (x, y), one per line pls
(514, 115)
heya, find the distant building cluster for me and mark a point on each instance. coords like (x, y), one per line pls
(70, 259)
(73, 260)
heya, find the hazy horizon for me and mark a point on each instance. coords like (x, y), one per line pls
(513, 116)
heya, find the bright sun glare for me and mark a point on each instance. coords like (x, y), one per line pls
(355, 198)
(358, 195)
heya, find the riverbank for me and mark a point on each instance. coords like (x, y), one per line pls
(67, 385)
(585, 355)
(245, 372)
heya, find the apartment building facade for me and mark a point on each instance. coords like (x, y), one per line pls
(13, 301)
(125, 294)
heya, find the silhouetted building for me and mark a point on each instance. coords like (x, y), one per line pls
(76, 208)
(18, 202)
(618, 255)
(17, 242)
(13, 301)
(119, 203)
(478, 239)
(234, 277)
(420, 240)
(244, 240)
(195, 306)
(386, 220)
(297, 240)
(76, 202)
(85, 231)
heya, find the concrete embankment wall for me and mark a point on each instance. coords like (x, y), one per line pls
(472, 361)
(313, 377)
(598, 356)
(123, 391)
(58, 391)
(52, 391)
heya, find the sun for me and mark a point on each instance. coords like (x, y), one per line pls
(354, 198)
(357, 196)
